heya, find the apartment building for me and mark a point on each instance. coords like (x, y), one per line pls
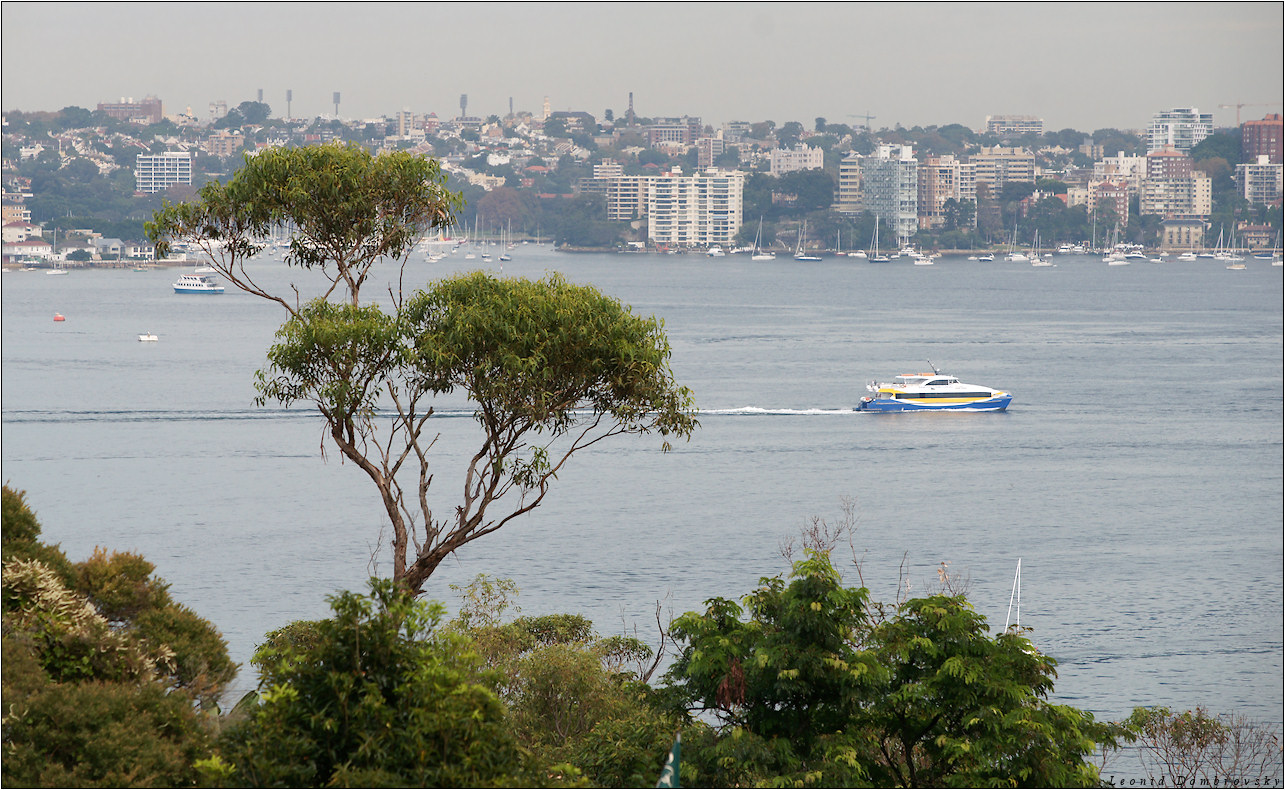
(890, 188)
(944, 178)
(848, 200)
(1188, 197)
(158, 172)
(627, 198)
(1181, 128)
(224, 143)
(801, 157)
(707, 150)
(998, 166)
(1168, 163)
(684, 130)
(1260, 181)
(1262, 138)
(1009, 125)
(699, 210)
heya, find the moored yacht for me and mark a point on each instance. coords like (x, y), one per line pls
(932, 392)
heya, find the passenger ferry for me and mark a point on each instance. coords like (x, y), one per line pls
(197, 284)
(932, 392)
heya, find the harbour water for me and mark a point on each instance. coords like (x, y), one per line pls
(1137, 474)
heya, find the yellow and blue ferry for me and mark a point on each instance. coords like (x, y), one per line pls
(932, 392)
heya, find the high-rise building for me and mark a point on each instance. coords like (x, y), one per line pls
(1179, 197)
(157, 172)
(699, 210)
(890, 188)
(1261, 138)
(848, 200)
(1181, 128)
(944, 178)
(1260, 181)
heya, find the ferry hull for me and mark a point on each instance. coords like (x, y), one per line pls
(895, 404)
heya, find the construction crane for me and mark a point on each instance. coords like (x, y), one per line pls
(1247, 104)
(867, 116)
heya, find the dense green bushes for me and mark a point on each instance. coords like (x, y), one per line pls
(107, 681)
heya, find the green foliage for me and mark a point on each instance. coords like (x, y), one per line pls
(21, 537)
(121, 584)
(958, 707)
(789, 671)
(580, 221)
(808, 690)
(379, 698)
(101, 669)
(101, 734)
(532, 353)
(71, 640)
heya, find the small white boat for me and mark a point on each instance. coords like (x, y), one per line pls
(56, 271)
(715, 252)
(987, 258)
(148, 338)
(197, 284)
(932, 392)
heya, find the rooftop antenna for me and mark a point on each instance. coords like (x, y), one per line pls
(1016, 594)
(936, 372)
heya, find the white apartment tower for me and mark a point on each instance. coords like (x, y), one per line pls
(1181, 128)
(890, 188)
(1260, 181)
(700, 210)
(157, 172)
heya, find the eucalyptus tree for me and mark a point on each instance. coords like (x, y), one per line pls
(553, 368)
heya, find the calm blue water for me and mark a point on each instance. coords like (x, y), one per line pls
(1138, 474)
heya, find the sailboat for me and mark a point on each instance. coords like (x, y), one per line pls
(875, 257)
(1036, 260)
(505, 239)
(1014, 254)
(799, 254)
(759, 253)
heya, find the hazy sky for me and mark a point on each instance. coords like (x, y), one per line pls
(1079, 65)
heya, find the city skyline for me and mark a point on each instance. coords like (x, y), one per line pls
(1076, 65)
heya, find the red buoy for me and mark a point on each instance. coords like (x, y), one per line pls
(59, 317)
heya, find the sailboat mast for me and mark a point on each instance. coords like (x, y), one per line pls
(1016, 594)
